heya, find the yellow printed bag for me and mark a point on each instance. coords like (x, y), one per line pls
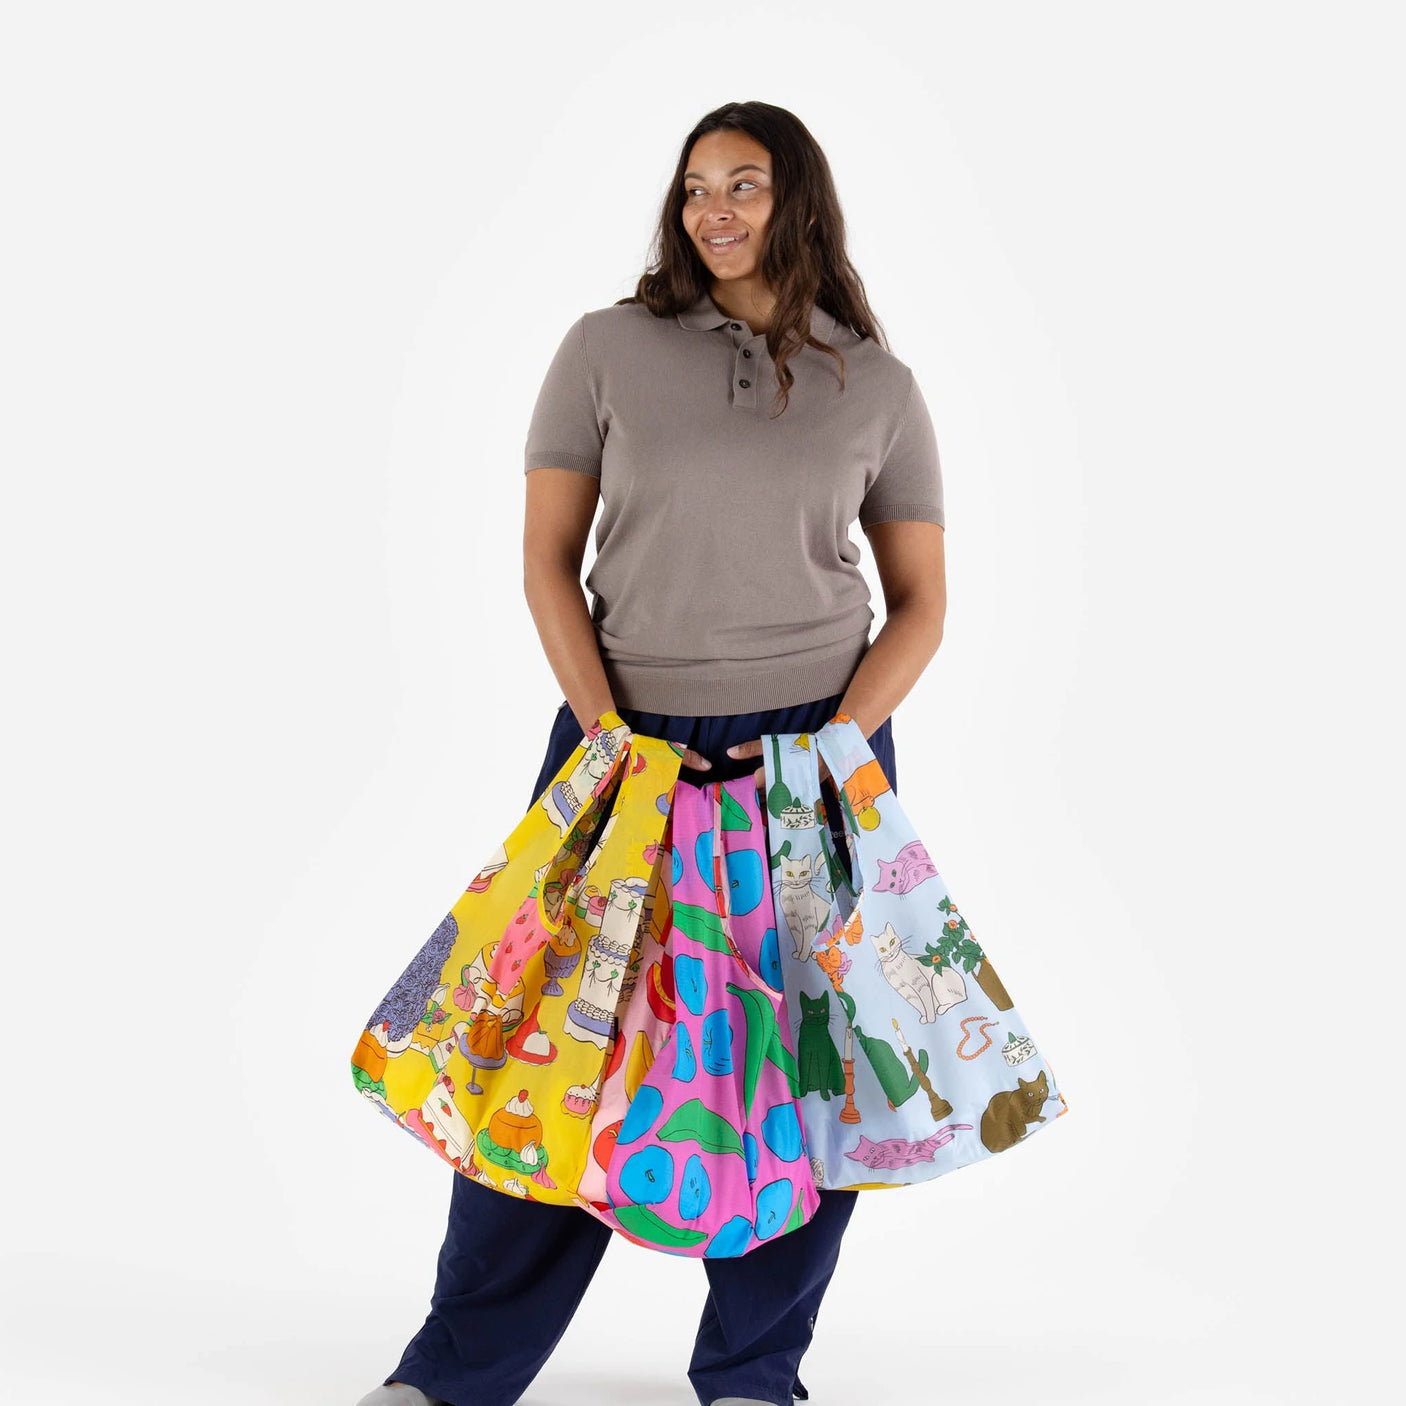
(491, 1045)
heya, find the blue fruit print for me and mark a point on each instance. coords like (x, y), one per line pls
(781, 1131)
(690, 982)
(742, 870)
(648, 1176)
(773, 1206)
(745, 878)
(717, 1042)
(749, 1153)
(685, 1061)
(639, 1118)
(695, 1190)
(676, 865)
(769, 961)
(730, 1240)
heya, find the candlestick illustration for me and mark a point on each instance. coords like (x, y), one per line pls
(940, 1107)
(849, 1113)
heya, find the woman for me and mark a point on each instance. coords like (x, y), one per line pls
(734, 417)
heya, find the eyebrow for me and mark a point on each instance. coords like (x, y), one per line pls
(746, 166)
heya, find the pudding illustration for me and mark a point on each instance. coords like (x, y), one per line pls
(513, 1139)
(529, 1043)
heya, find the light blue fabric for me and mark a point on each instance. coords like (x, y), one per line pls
(912, 1059)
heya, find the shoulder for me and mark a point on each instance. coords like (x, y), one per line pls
(620, 323)
(888, 380)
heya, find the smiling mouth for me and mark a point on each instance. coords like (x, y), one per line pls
(723, 244)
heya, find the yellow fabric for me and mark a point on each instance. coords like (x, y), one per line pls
(511, 1031)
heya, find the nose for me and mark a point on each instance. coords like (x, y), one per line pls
(718, 206)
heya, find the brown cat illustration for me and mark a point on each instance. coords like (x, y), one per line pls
(1003, 1122)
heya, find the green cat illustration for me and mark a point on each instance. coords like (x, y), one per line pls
(816, 1055)
(898, 1082)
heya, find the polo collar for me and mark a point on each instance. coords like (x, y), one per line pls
(705, 315)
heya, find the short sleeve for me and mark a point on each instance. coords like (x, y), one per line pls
(908, 486)
(565, 432)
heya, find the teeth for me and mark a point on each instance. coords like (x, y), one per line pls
(731, 239)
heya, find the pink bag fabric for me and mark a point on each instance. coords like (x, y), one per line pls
(709, 1159)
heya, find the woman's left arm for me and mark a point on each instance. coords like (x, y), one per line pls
(913, 573)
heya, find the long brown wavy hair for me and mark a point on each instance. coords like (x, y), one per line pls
(803, 260)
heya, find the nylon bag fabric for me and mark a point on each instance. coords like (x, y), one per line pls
(489, 1047)
(709, 1159)
(913, 1060)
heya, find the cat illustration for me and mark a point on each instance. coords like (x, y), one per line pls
(906, 974)
(898, 1082)
(803, 908)
(948, 985)
(906, 870)
(1004, 1121)
(817, 1059)
(896, 1152)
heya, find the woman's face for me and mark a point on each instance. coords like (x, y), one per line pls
(728, 196)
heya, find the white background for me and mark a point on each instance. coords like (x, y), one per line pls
(280, 284)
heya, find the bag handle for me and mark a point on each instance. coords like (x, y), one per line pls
(596, 809)
(721, 887)
(842, 744)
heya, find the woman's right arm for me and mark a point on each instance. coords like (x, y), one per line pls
(561, 504)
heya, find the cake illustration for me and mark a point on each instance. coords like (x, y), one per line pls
(564, 800)
(441, 1124)
(590, 1018)
(498, 860)
(579, 1100)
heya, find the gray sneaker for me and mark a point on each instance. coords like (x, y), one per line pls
(402, 1394)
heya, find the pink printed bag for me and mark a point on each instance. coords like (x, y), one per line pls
(709, 1158)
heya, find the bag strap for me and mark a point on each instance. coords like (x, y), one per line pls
(722, 889)
(595, 809)
(842, 744)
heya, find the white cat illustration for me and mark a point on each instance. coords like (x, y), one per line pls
(803, 908)
(906, 974)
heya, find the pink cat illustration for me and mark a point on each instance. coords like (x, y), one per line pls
(895, 1152)
(906, 870)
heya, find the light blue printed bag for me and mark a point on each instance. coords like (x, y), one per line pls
(912, 1059)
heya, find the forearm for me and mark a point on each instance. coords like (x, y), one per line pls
(557, 601)
(893, 663)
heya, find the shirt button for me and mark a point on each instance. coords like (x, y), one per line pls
(745, 352)
(736, 326)
(744, 384)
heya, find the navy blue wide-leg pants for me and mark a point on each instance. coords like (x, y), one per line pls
(491, 1328)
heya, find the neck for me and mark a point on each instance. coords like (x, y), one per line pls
(747, 300)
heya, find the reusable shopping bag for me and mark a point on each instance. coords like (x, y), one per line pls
(913, 1061)
(490, 1046)
(709, 1159)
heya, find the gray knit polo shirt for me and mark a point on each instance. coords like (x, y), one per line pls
(725, 580)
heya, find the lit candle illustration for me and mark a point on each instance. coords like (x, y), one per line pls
(940, 1107)
(849, 1113)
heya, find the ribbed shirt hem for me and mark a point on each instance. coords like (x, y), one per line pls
(708, 688)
